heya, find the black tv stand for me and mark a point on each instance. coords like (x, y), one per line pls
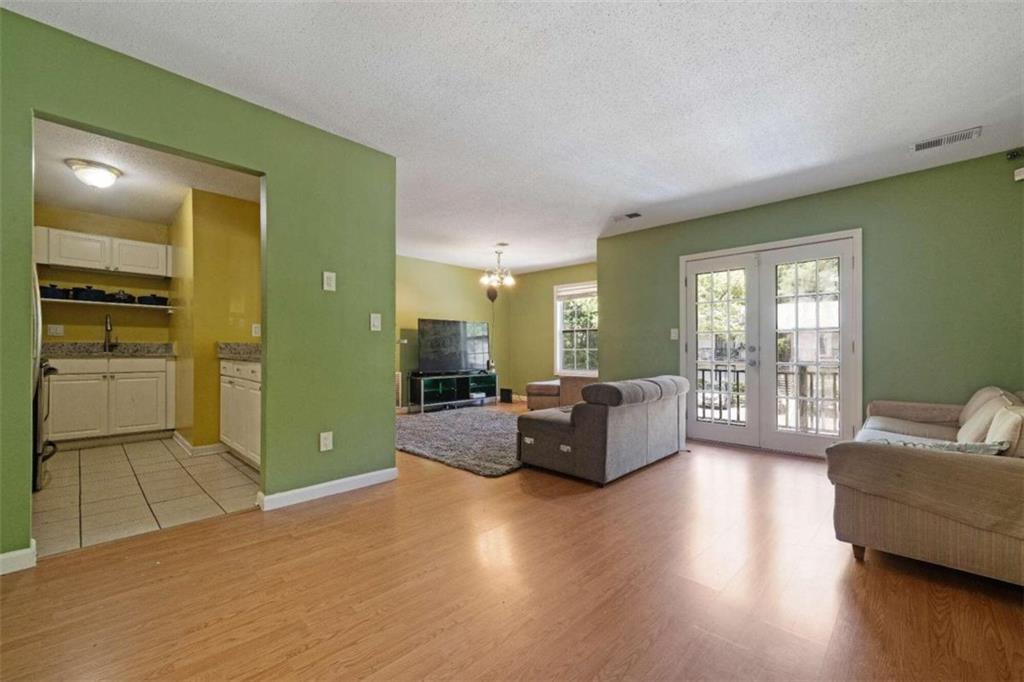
(430, 390)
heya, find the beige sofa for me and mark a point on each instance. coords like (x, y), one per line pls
(916, 482)
(567, 390)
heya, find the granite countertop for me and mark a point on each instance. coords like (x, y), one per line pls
(94, 349)
(241, 352)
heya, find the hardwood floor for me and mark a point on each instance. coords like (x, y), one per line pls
(714, 564)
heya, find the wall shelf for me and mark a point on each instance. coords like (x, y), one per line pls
(111, 304)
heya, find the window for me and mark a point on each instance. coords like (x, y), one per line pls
(576, 329)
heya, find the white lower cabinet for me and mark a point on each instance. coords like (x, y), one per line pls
(77, 406)
(99, 397)
(138, 402)
(240, 409)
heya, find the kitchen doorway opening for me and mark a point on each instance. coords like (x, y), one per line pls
(148, 278)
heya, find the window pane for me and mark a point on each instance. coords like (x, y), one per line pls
(806, 346)
(737, 315)
(591, 359)
(704, 286)
(828, 417)
(705, 317)
(828, 311)
(705, 347)
(739, 380)
(785, 381)
(784, 347)
(808, 416)
(737, 285)
(828, 382)
(721, 347)
(785, 313)
(785, 418)
(807, 312)
(737, 347)
(828, 275)
(828, 346)
(721, 378)
(807, 277)
(785, 280)
(581, 339)
(567, 340)
(805, 381)
(721, 285)
(592, 340)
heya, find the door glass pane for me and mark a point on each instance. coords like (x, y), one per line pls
(807, 346)
(721, 347)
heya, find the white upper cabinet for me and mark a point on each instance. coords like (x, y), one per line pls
(141, 258)
(79, 249)
(98, 252)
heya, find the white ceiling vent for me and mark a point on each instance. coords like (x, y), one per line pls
(948, 138)
(627, 216)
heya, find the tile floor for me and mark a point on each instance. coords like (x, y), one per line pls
(105, 493)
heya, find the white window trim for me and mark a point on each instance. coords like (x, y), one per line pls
(563, 291)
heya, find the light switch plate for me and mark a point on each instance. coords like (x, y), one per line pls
(673, 333)
(257, 330)
(330, 281)
(326, 441)
(55, 330)
(374, 322)
(1018, 174)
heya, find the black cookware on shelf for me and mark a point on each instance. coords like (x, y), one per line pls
(121, 296)
(87, 293)
(53, 291)
(153, 299)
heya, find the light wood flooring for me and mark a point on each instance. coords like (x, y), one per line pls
(715, 564)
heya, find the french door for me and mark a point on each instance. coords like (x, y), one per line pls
(770, 346)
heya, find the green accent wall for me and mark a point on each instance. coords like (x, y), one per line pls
(942, 292)
(330, 205)
(532, 322)
(444, 292)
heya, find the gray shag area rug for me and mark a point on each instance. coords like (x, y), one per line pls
(472, 438)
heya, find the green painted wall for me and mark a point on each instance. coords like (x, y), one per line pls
(943, 309)
(330, 205)
(444, 292)
(532, 322)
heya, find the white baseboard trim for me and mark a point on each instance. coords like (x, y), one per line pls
(199, 450)
(313, 492)
(18, 559)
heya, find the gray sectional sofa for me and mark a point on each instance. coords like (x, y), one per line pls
(619, 427)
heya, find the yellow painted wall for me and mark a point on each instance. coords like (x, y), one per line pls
(216, 293)
(85, 323)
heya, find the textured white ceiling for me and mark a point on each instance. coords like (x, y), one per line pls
(152, 187)
(537, 123)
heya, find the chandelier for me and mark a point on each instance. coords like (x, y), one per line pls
(498, 276)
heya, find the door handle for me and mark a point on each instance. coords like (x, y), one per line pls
(751, 348)
(751, 362)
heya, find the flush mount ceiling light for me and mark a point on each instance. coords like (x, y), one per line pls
(498, 276)
(93, 173)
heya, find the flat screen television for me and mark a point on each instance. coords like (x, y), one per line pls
(453, 346)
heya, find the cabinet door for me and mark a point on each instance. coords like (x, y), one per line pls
(251, 418)
(227, 396)
(77, 406)
(138, 402)
(79, 249)
(141, 258)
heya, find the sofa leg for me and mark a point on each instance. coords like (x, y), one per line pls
(858, 552)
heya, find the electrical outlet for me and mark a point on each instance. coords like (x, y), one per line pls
(326, 441)
(330, 281)
(257, 330)
(55, 330)
(673, 333)
(374, 322)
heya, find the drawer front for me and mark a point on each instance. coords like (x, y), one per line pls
(225, 368)
(79, 365)
(121, 365)
(251, 371)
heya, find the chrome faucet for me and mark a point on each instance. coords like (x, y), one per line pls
(108, 327)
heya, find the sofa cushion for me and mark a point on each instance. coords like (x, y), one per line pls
(1008, 426)
(670, 385)
(551, 387)
(555, 422)
(975, 429)
(909, 428)
(980, 397)
(615, 393)
(866, 435)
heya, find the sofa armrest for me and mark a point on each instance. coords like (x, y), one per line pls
(927, 413)
(983, 491)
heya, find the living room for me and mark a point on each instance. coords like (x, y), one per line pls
(599, 341)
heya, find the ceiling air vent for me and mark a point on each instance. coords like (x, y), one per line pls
(949, 138)
(627, 216)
